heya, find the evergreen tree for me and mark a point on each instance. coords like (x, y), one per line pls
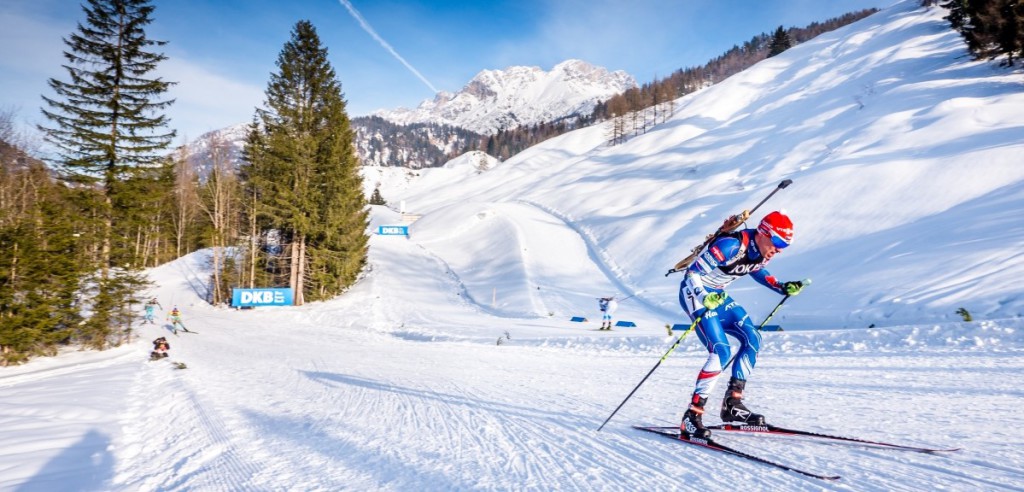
(107, 124)
(1010, 30)
(780, 42)
(991, 28)
(307, 172)
(376, 198)
(40, 261)
(106, 120)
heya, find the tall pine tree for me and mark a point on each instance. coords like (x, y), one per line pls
(107, 123)
(307, 173)
(780, 42)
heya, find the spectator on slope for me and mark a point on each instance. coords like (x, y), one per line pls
(702, 294)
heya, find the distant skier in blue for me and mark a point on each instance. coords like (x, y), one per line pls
(150, 316)
(608, 307)
(702, 293)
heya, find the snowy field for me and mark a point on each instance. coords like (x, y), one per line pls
(907, 194)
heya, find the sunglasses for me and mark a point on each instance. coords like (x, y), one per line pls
(777, 241)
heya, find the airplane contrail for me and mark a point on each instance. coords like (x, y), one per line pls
(369, 29)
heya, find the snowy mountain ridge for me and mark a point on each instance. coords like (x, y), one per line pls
(519, 95)
(229, 141)
(493, 100)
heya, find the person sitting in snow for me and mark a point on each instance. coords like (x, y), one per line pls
(702, 295)
(608, 307)
(160, 348)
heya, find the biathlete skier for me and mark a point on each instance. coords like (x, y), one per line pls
(702, 294)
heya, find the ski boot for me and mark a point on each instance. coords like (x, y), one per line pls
(692, 427)
(733, 409)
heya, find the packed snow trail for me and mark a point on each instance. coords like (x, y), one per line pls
(315, 398)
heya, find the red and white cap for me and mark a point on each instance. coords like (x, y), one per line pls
(778, 228)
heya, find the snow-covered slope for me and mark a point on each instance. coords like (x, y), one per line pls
(401, 383)
(374, 391)
(394, 181)
(904, 155)
(499, 99)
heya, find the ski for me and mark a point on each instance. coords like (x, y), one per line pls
(771, 430)
(711, 444)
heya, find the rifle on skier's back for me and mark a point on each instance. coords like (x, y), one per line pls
(728, 226)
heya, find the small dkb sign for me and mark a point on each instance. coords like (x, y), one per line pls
(261, 297)
(393, 230)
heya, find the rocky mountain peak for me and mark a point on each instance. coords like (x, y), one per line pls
(499, 99)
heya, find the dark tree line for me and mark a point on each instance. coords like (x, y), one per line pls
(509, 142)
(415, 146)
(991, 28)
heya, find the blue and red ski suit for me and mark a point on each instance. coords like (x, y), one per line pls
(728, 258)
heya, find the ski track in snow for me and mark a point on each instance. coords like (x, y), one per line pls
(260, 409)
(615, 274)
(339, 396)
(179, 436)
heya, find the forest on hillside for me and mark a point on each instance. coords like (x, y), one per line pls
(113, 198)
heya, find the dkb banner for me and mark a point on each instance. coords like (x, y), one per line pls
(261, 297)
(393, 230)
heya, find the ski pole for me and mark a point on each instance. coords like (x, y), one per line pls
(679, 266)
(672, 348)
(805, 281)
(632, 296)
(777, 306)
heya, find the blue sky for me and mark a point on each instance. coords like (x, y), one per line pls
(223, 51)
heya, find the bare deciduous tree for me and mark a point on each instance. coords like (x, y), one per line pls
(218, 197)
(185, 197)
